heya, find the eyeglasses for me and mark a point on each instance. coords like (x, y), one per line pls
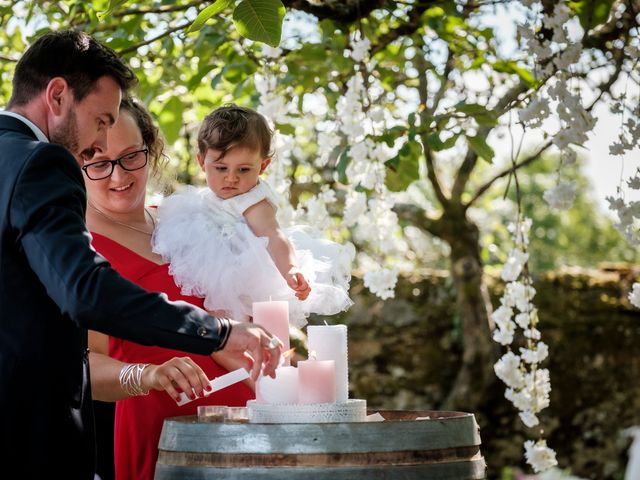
(129, 162)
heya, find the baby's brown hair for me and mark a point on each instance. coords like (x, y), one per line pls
(232, 126)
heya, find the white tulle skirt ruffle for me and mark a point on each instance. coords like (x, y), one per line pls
(215, 255)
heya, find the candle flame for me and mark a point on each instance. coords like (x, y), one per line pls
(288, 353)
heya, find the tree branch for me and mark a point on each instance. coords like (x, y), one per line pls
(158, 10)
(464, 172)
(448, 66)
(341, 11)
(604, 87)
(4, 58)
(404, 29)
(417, 217)
(135, 47)
(425, 121)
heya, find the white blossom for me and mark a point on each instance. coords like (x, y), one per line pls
(519, 295)
(535, 112)
(568, 156)
(355, 208)
(536, 354)
(523, 320)
(529, 419)
(271, 52)
(514, 264)
(539, 456)
(532, 333)
(634, 295)
(504, 335)
(562, 196)
(327, 142)
(502, 315)
(508, 370)
(560, 16)
(360, 49)
(382, 282)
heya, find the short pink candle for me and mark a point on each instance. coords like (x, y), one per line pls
(279, 390)
(317, 381)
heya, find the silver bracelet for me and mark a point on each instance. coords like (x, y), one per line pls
(130, 379)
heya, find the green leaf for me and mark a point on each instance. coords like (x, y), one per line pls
(437, 145)
(482, 148)
(207, 13)
(403, 169)
(479, 112)
(112, 7)
(260, 20)
(591, 13)
(513, 67)
(286, 128)
(170, 119)
(341, 168)
(391, 134)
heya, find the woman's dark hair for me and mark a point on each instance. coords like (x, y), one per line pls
(231, 126)
(150, 133)
(72, 55)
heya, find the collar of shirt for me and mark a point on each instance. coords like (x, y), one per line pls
(34, 128)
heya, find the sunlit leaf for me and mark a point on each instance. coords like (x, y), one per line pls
(481, 147)
(171, 119)
(436, 144)
(112, 7)
(207, 13)
(260, 20)
(591, 12)
(403, 169)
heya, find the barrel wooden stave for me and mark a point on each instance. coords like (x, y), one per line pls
(471, 470)
(447, 446)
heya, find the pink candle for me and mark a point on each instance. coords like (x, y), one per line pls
(274, 317)
(317, 381)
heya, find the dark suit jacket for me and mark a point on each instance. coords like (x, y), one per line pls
(53, 287)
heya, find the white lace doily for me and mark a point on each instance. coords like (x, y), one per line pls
(354, 410)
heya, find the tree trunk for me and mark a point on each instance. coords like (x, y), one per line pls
(480, 352)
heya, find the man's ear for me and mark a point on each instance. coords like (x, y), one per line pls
(265, 163)
(57, 94)
(200, 158)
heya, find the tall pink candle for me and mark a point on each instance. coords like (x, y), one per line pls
(274, 317)
(329, 342)
(317, 381)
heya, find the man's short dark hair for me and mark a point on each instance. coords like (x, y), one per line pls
(73, 55)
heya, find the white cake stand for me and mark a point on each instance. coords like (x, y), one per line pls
(354, 410)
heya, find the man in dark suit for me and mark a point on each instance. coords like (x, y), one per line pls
(53, 287)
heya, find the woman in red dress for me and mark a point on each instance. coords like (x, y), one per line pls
(121, 227)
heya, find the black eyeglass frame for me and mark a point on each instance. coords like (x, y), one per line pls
(118, 161)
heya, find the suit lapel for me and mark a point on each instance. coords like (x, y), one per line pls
(15, 125)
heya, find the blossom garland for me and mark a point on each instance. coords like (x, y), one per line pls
(552, 61)
(528, 385)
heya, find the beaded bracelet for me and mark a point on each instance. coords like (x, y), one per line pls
(130, 379)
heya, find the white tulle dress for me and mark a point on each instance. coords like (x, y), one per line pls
(214, 254)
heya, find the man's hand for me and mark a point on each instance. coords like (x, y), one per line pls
(254, 342)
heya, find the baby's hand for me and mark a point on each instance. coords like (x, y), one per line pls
(298, 283)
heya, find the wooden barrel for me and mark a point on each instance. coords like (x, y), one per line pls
(444, 447)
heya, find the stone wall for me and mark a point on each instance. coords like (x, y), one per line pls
(404, 354)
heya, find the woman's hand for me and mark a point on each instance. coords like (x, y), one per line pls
(295, 279)
(180, 374)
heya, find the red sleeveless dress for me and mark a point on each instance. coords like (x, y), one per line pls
(138, 420)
